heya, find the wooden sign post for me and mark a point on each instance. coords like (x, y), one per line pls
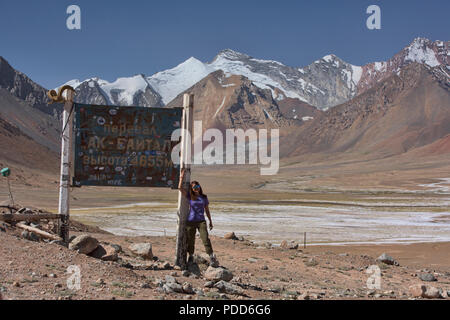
(66, 155)
(185, 163)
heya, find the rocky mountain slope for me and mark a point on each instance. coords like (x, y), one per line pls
(223, 102)
(37, 125)
(22, 87)
(407, 110)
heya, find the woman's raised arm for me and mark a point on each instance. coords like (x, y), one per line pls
(180, 183)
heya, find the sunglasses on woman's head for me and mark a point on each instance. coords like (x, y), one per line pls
(196, 187)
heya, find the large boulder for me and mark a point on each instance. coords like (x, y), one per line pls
(417, 290)
(217, 274)
(84, 244)
(143, 250)
(423, 291)
(432, 293)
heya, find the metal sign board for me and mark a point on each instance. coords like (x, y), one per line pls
(125, 146)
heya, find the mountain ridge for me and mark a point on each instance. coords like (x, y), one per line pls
(324, 83)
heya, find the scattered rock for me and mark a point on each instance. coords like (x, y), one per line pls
(209, 284)
(290, 295)
(427, 277)
(185, 273)
(304, 296)
(145, 285)
(370, 293)
(212, 294)
(229, 288)
(58, 242)
(166, 266)
(187, 288)
(385, 258)
(84, 244)
(52, 275)
(264, 267)
(16, 284)
(30, 236)
(100, 281)
(311, 262)
(143, 250)
(230, 236)
(105, 253)
(116, 247)
(289, 245)
(432, 293)
(199, 292)
(252, 260)
(202, 258)
(217, 274)
(423, 291)
(276, 289)
(172, 287)
(171, 279)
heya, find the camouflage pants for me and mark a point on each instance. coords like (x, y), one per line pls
(191, 228)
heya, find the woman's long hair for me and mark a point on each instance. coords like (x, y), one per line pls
(200, 191)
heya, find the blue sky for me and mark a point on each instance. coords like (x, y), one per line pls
(123, 38)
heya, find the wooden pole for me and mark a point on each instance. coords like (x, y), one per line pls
(39, 232)
(10, 193)
(66, 151)
(304, 240)
(12, 217)
(185, 163)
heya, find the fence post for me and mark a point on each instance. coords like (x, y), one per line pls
(66, 153)
(185, 163)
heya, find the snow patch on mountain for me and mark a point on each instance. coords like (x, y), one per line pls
(124, 89)
(172, 82)
(418, 52)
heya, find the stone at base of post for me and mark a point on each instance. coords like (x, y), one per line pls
(63, 228)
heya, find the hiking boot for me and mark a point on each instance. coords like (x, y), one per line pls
(213, 261)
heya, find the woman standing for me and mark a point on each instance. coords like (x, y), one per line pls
(198, 205)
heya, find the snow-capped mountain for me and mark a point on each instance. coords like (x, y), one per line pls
(319, 84)
(421, 50)
(325, 83)
(123, 92)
